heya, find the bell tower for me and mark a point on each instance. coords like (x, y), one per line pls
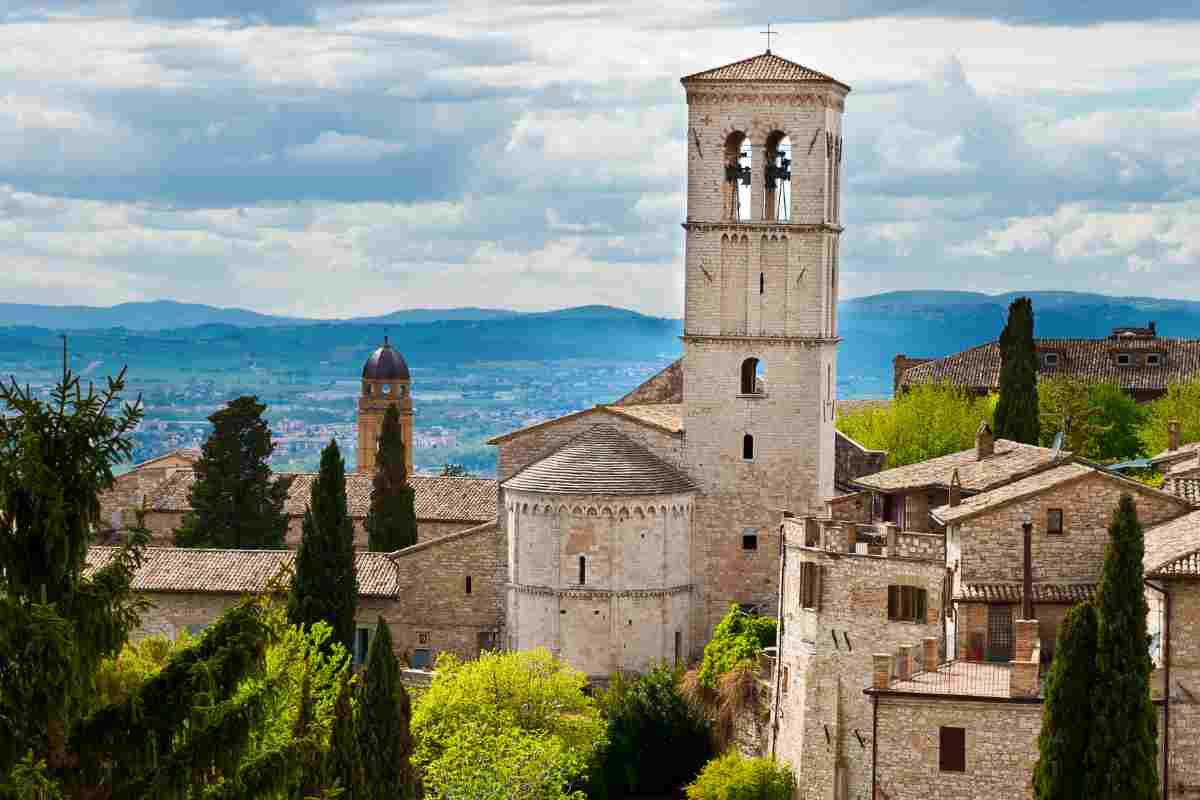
(385, 382)
(760, 322)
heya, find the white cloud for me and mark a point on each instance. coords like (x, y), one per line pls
(332, 147)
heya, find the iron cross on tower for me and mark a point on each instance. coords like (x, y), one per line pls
(769, 33)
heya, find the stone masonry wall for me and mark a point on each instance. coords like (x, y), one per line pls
(992, 541)
(1185, 680)
(852, 460)
(1001, 748)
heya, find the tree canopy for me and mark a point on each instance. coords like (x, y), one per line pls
(1016, 416)
(235, 503)
(392, 519)
(1181, 403)
(325, 587)
(736, 777)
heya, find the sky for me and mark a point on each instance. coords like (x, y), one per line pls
(343, 159)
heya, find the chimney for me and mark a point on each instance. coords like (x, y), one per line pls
(905, 662)
(985, 442)
(955, 489)
(881, 670)
(1173, 435)
(931, 653)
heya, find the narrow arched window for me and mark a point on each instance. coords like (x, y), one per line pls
(468, 586)
(748, 447)
(777, 178)
(737, 177)
(752, 376)
(582, 570)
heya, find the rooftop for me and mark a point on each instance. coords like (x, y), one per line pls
(1068, 593)
(601, 460)
(1173, 548)
(961, 678)
(763, 67)
(1009, 461)
(194, 570)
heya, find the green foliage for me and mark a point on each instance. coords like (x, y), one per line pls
(1067, 713)
(735, 777)
(234, 501)
(30, 780)
(119, 676)
(736, 642)
(1016, 415)
(325, 586)
(383, 728)
(343, 766)
(1121, 758)
(522, 717)
(1126, 416)
(1181, 403)
(453, 471)
(56, 626)
(392, 519)
(925, 422)
(656, 742)
(1098, 420)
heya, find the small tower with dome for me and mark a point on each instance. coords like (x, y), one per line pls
(385, 381)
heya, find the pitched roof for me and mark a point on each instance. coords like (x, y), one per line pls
(601, 460)
(438, 497)
(1010, 460)
(187, 454)
(1170, 547)
(1033, 485)
(1186, 488)
(1091, 359)
(667, 417)
(665, 386)
(763, 67)
(1011, 592)
(201, 571)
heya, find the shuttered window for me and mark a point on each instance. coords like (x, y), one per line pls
(907, 604)
(810, 585)
(952, 749)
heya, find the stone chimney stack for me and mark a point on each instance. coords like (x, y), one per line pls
(1173, 435)
(931, 653)
(881, 670)
(985, 442)
(955, 489)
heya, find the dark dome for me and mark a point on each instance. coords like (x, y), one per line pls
(385, 364)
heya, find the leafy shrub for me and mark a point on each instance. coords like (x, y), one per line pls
(1098, 420)
(1181, 403)
(925, 422)
(656, 742)
(736, 642)
(735, 777)
(119, 676)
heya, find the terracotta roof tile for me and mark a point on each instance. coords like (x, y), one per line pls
(1090, 359)
(437, 497)
(1011, 592)
(762, 67)
(665, 386)
(180, 569)
(1009, 461)
(1171, 541)
(601, 460)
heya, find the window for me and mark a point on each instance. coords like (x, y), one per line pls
(1153, 359)
(784, 681)
(952, 749)
(748, 608)
(748, 447)
(1051, 359)
(582, 570)
(810, 585)
(468, 584)
(749, 541)
(1054, 520)
(423, 637)
(362, 643)
(751, 374)
(1124, 359)
(678, 647)
(777, 178)
(762, 283)
(737, 177)
(906, 604)
(387, 388)
(367, 389)
(421, 658)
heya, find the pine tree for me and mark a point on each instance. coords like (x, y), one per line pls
(1017, 409)
(1067, 714)
(392, 519)
(1121, 758)
(325, 586)
(384, 738)
(235, 503)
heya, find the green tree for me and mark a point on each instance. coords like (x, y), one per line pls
(1017, 410)
(392, 518)
(342, 766)
(736, 642)
(1067, 713)
(1181, 403)
(1126, 417)
(382, 726)
(523, 716)
(656, 742)
(325, 586)
(1121, 758)
(234, 501)
(925, 422)
(735, 777)
(1066, 405)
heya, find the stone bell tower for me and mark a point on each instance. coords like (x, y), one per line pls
(385, 382)
(760, 321)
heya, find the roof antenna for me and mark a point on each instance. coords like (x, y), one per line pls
(769, 33)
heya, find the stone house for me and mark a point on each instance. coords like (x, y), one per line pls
(130, 488)
(905, 495)
(847, 590)
(1138, 360)
(1069, 508)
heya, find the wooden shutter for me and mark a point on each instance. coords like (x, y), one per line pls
(893, 602)
(922, 605)
(818, 579)
(952, 749)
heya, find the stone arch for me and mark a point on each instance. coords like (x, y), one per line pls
(735, 191)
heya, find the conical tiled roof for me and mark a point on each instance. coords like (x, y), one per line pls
(601, 460)
(763, 67)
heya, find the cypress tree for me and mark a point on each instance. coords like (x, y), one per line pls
(1017, 409)
(382, 726)
(1067, 714)
(235, 503)
(392, 519)
(1121, 759)
(343, 762)
(325, 586)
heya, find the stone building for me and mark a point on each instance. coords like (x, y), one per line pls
(131, 488)
(1139, 360)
